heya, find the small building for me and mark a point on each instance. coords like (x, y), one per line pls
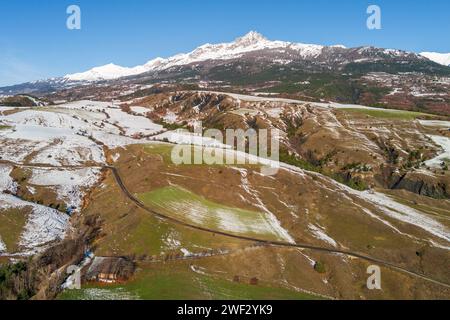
(110, 269)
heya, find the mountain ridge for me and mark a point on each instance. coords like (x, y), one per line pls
(251, 42)
(362, 75)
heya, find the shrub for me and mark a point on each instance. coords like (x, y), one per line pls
(320, 267)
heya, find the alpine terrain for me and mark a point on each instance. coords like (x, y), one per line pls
(87, 177)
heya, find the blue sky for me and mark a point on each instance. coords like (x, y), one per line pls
(35, 43)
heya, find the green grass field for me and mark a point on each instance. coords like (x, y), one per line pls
(140, 233)
(12, 222)
(179, 283)
(189, 207)
(137, 234)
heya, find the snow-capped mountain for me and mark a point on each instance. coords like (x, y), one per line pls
(247, 56)
(106, 72)
(251, 42)
(441, 58)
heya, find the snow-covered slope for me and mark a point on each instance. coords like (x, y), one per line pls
(43, 225)
(106, 72)
(252, 41)
(441, 58)
(239, 48)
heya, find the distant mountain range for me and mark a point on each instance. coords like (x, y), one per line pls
(251, 42)
(252, 61)
(247, 45)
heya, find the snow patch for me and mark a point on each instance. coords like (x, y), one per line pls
(320, 234)
(444, 143)
(68, 183)
(406, 214)
(2, 245)
(44, 224)
(6, 182)
(441, 58)
(140, 110)
(133, 124)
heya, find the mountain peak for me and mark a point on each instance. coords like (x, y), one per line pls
(250, 42)
(251, 37)
(105, 72)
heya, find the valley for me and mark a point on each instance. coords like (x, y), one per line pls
(359, 176)
(335, 206)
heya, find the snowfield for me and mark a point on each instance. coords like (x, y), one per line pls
(70, 138)
(140, 110)
(50, 146)
(2, 246)
(114, 141)
(6, 182)
(132, 124)
(435, 123)
(186, 137)
(441, 58)
(76, 150)
(69, 184)
(444, 143)
(13, 151)
(70, 133)
(4, 109)
(43, 226)
(407, 214)
(47, 119)
(38, 133)
(88, 105)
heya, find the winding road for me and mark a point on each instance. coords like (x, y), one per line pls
(141, 205)
(268, 242)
